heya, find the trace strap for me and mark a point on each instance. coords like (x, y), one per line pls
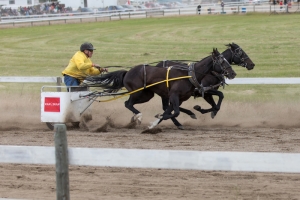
(142, 88)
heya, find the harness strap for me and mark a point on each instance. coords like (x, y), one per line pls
(167, 78)
(137, 90)
(193, 78)
(145, 76)
(221, 83)
(164, 62)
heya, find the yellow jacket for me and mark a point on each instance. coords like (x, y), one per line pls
(80, 66)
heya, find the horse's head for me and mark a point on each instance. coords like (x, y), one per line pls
(221, 65)
(240, 57)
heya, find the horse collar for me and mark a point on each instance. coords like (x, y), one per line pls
(193, 78)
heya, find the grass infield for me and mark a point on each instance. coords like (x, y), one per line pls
(271, 41)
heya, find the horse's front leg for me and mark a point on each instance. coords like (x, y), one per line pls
(208, 96)
(136, 98)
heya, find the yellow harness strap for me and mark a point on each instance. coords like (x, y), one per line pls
(129, 93)
(167, 78)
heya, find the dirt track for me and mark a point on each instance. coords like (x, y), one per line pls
(238, 127)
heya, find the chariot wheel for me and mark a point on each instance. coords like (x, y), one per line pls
(50, 125)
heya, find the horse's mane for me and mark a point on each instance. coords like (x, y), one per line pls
(232, 44)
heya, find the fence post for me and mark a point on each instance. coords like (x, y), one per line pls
(62, 162)
(58, 83)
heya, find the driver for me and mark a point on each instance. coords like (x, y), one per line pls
(81, 66)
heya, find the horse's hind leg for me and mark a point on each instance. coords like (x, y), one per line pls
(161, 118)
(174, 105)
(165, 104)
(137, 98)
(174, 101)
(188, 112)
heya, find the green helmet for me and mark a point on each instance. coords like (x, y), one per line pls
(86, 46)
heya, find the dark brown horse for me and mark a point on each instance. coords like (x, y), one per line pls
(211, 82)
(175, 83)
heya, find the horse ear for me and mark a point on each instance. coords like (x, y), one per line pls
(214, 51)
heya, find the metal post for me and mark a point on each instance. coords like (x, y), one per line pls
(62, 163)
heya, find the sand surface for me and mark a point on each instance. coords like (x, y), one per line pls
(269, 127)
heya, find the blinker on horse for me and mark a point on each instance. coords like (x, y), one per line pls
(176, 83)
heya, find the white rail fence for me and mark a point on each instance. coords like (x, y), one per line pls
(164, 159)
(62, 157)
(107, 16)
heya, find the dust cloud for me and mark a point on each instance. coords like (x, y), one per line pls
(24, 112)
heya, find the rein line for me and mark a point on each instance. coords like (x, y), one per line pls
(179, 61)
(142, 88)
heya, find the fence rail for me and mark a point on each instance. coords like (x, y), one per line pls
(104, 16)
(164, 159)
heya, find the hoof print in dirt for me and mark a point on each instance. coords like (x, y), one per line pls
(87, 117)
(131, 125)
(103, 128)
(152, 131)
(110, 122)
(83, 126)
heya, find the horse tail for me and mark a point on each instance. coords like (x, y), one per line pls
(111, 80)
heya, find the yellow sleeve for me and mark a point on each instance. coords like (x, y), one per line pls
(92, 71)
(82, 62)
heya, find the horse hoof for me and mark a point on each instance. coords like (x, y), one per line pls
(137, 117)
(153, 124)
(180, 127)
(132, 119)
(158, 116)
(213, 114)
(196, 107)
(193, 116)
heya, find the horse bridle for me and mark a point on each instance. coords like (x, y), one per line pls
(238, 52)
(219, 61)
